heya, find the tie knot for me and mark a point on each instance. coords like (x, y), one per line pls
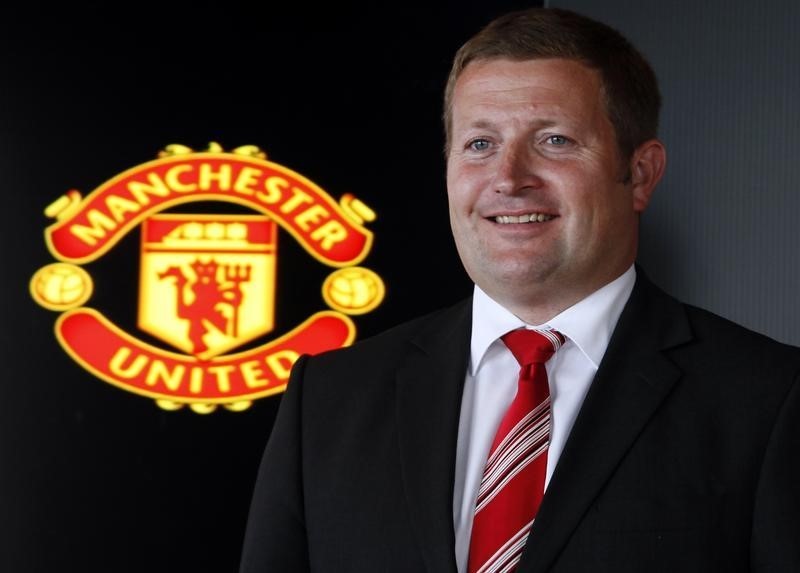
(533, 346)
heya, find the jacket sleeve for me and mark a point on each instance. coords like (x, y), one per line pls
(776, 519)
(275, 537)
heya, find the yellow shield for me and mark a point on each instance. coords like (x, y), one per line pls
(207, 282)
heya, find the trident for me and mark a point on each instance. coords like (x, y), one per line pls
(237, 274)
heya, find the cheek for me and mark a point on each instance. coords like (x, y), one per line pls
(586, 219)
(467, 175)
(452, 188)
(460, 194)
(453, 200)
(612, 217)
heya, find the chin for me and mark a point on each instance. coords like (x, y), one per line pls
(510, 278)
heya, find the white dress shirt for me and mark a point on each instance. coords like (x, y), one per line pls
(491, 384)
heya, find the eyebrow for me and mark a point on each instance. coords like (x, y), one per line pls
(538, 123)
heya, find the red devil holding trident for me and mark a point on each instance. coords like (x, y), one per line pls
(214, 288)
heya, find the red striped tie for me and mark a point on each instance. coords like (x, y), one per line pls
(513, 479)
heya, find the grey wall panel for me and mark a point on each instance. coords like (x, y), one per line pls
(722, 230)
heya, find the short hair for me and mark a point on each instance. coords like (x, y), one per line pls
(630, 87)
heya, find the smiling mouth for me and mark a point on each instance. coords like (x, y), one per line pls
(530, 218)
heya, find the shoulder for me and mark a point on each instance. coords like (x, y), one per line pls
(684, 325)
(722, 375)
(712, 350)
(710, 327)
(383, 350)
(722, 338)
(354, 385)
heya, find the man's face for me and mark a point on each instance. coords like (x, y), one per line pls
(537, 203)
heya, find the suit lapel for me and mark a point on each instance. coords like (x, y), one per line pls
(631, 383)
(429, 389)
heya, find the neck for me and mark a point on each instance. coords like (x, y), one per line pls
(539, 306)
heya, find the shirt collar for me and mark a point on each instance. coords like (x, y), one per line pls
(588, 323)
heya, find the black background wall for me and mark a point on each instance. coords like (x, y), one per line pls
(96, 479)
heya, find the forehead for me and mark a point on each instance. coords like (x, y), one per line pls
(540, 86)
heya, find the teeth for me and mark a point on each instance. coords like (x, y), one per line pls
(531, 218)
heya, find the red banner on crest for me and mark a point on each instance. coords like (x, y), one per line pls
(124, 361)
(297, 204)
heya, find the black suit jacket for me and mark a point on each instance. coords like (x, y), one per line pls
(684, 457)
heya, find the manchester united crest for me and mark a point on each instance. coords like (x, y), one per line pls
(207, 282)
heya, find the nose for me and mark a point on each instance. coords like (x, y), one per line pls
(516, 169)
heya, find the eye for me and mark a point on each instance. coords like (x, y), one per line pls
(478, 144)
(558, 140)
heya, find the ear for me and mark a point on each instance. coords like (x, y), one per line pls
(646, 168)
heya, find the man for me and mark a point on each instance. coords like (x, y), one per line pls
(670, 437)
